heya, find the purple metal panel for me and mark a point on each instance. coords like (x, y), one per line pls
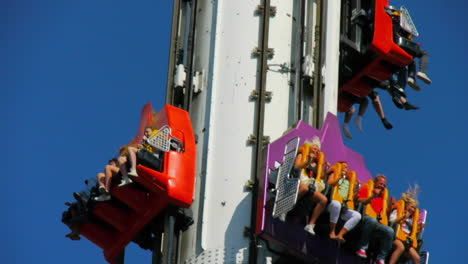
(292, 235)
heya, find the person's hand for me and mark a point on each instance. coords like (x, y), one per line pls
(376, 192)
(122, 160)
(406, 214)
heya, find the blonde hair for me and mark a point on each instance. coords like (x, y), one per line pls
(315, 142)
(123, 150)
(411, 194)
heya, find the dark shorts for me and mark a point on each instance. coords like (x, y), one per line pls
(373, 94)
(352, 98)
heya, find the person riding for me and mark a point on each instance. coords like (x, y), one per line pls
(404, 217)
(310, 187)
(342, 204)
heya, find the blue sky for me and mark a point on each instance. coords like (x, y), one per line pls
(76, 74)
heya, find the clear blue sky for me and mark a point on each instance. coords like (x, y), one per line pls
(75, 74)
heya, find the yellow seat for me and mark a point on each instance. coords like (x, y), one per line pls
(305, 151)
(335, 171)
(400, 235)
(368, 208)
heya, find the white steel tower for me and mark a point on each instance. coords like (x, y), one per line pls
(246, 71)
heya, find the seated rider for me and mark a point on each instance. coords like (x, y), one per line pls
(341, 206)
(396, 92)
(132, 151)
(409, 73)
(103, 181)
(306, 161)
(373, 195)
(363, 103)
(406, 223)
(111, 170)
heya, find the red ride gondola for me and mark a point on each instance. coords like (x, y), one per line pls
(382, 58)
(113, 224)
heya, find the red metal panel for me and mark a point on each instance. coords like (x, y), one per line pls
(118, 218)
(113, 224)
(123, 238)
(388, 53)
(383, 29)
(181, 168)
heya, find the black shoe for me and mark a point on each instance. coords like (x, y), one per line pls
(397, 90)
(386, 124)
(408, 106)
(396, 100)
(79, 198)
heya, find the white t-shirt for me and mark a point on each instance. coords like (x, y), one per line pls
(406, 226)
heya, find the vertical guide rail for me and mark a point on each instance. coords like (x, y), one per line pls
(168, 243)
(317, 80)
(189, 58)
(174, 58)
(157, 256)
(259, 124)
(298, 61)
(173, 52)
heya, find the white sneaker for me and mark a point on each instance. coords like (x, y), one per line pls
(102, 198)
(133, 173)
(282, 217)
(413, 84)
(125, 181)
(358, 123)
(346, 132)
(310, 229)
(423, 77)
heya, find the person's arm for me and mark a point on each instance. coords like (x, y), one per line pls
(393, 217)
(298, 163)
(365, 200)
(362, 196)
(333, 178)
(403, 217)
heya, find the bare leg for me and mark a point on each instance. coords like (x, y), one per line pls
(332, 231)
(352, 218)
(334, 209)
(363, 106)
(362, 109)
(348, 115)
(407, 105)
(321, 201)
(399, 248)
(414, 255)
(101, 179)
(378, 107)
(377, 104)
(340, 235)
(109, 172)
(303, 189)
(347, 118)
(133, 151)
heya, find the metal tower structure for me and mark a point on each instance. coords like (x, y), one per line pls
(246, 71)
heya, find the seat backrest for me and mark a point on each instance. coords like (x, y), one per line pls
(369, 211)
(351, 176)
(400, 235)
(335, 171)
(305, 151)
